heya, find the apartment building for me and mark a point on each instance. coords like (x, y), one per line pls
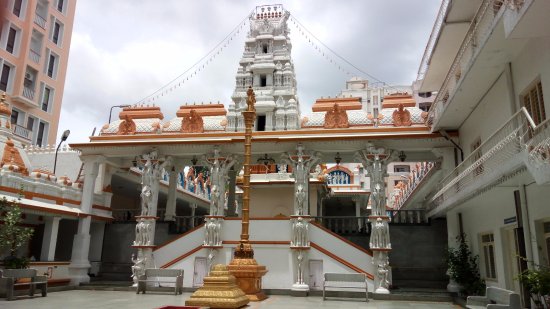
(35, 36)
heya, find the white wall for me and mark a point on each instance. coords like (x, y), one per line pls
(491, 113)
(532, 63)
(483, 215)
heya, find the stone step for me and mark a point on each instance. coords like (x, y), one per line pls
(416, 283)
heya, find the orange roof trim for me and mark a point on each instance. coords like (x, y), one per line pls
(393, 100)
(202, 110)
(141, 112)
(323, 105)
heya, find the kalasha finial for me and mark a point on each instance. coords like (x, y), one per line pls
(251, 99)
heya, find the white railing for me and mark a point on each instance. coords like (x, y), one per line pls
(410, 216)
(505, 144)
(35, 149)
(477, 34)
(415, 179)
(539, 145)
(40, 21)
(34, 56)
(433, 39)
(28, 93)
(22, 132)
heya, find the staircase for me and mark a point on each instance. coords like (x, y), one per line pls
(418, 246)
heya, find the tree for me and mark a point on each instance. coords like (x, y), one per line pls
(463, 268)
(537, 282)
(12, 234)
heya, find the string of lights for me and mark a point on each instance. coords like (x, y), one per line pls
(194, 69)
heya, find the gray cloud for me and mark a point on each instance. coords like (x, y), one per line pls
(123, 50)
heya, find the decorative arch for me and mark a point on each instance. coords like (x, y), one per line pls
(339, 175)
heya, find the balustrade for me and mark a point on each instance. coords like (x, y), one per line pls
(411, 216)
(347, 225)
(40, 21)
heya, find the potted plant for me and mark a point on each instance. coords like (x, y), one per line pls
(537, 282)
(12, 234)
(463, 268)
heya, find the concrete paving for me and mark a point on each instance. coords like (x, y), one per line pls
(82, 299)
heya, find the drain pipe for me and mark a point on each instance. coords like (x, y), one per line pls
(447, 137)
(526, 227)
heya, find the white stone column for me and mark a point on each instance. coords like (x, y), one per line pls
(375, 161)
(301, 164)
(358, 201)
(170, 213)
(78, 269)
(146, 221)
(49, 240)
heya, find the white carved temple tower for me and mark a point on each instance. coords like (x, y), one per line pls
(266, 65)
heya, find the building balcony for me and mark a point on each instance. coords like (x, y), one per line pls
(22, 132)
(485, 37)
(28, 93)
(40, 21)
(538, 153)
(498, 159)
(34, 56)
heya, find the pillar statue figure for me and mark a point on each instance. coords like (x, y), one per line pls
(300, 229)
(152, 170)
(301, 165)
(219, 169)
(375, 161)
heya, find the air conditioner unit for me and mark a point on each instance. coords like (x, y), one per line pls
(29, 77)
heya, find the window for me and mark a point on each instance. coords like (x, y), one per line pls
(425, 106)
(17, 4)
(14, 116)
(401, 169)
(533, 101)
(5, 77)
(264, 48)
(488, 248)
(30, 123)
(46, 97)
(41, 137)
(263, 80)
(51, 66)
(261, 123)
(56, 29)
(546, 226)
(10, 45)
(60, 4)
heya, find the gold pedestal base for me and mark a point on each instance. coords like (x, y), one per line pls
(248, 273)
(219, 291)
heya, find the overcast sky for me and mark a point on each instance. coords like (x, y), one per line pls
(123, 50)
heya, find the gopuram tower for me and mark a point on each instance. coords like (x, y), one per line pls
(266, 65)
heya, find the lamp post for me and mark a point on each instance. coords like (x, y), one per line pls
(111, 111)
(63, 138)
(243, 266)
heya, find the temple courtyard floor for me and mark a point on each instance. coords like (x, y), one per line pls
(88, 299)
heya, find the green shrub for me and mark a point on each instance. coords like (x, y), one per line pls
(463, 268)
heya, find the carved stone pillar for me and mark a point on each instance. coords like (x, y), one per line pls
(146, 221)
(219, 168)
(174, 170)
(375, 161)
(301, 166)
